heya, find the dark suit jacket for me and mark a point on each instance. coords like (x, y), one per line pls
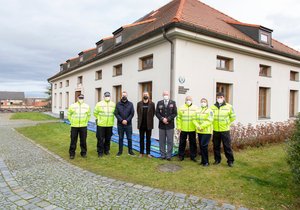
(169, 112)
(150, 114)
(124, 111)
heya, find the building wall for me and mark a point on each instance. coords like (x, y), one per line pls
(130, 79)
(201, 76)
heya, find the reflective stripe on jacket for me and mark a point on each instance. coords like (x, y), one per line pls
(223, 117)
(204, 120)
(79, 114)
(104, 113)
(185, 118)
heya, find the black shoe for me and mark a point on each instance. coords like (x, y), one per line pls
(168, 159)
(119, 154)
(205, 164)
(180, 158)
(83, 156)
(131, 153)
(72, 157)
(194, 160)
(230, 164)
(107, 153)
(217, 162)
(162, 158)
(100, 155)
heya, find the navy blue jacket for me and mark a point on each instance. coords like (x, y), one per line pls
(124, 111)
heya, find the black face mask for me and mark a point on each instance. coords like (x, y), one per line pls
(145, 97)
(124, 98)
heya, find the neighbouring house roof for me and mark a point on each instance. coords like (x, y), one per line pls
(192, 15)
(5, 95)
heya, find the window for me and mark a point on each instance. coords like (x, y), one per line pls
(224, 63)
(67, 100)
(81, 58)
(61, 67)
(100, 48)
(117, 93)
(69, 65)
(60, 100)
(98, 75)
(55, 100)
(294, 76)
(117, 70)
(98, 94)
(293, 103)
(265, 38)
(67, 83)
(60, 85)
(79, 80)
(264, 103)
(226, 89)
(55, 86)
(146, 87)
(118, 39)
(264, 71)
(146, 62)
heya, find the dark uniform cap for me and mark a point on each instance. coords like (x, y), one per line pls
(81, 96)
(107, 94)
(220, 94)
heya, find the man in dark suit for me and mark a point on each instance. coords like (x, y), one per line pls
(145, 113)
(166, 111)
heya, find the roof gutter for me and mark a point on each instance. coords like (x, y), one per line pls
(172, 85)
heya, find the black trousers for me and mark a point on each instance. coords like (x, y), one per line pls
(82, 132)
(223, 137)
(182, 144)
(103, 139)
(203, 143)
(142, 140)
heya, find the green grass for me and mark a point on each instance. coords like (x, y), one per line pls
(34, 116)
(259, 179)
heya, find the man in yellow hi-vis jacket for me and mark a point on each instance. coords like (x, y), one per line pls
(79, 115)
(224, 116)
(185, 125)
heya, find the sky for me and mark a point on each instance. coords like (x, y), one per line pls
(36, 36)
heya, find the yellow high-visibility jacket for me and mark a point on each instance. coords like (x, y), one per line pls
(223, 117)
(79, 114)
(204, 120)
(185, 118)
(104, 112)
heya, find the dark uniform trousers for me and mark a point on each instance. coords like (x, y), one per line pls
(82, 132)
(192, 141)
(204, 142)
(103, 139)
(142, 140)
(223, 137)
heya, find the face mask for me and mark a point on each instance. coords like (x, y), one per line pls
(80, 101)
(124, 98)
(189, 103)
(166, 98)
(107, 98)
(145, 97)
(203, 104)
(220, 101)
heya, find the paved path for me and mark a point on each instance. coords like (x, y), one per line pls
(33, 178)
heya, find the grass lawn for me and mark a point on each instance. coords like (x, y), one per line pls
(259, 179)
(34, 116)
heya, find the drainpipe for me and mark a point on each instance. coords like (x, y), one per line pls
(172, 93)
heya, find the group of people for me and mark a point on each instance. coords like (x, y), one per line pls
(206, 122)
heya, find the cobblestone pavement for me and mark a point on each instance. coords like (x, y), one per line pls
(33, 178)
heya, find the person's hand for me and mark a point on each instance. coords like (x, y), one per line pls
(199, 128)
(179, 130)
(165, 121)
(124, 122)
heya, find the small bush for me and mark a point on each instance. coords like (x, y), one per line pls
(293, 154)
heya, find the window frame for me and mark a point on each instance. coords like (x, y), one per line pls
(268, 68)
(296, 74)
(115, 70)
(265, 113)
(142, 67)
(97, 73)
(228, 63)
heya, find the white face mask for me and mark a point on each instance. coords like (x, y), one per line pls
(166, 97)
(220, 100)
(203, 104)
(80, 101)
(189, 103)
(107, 98)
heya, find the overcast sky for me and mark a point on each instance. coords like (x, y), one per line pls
(37, 35)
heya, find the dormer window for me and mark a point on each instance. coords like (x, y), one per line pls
(264, 38)
(61, 67)
(81, 58)
(100, 48)
(118, 39)
(69, 65)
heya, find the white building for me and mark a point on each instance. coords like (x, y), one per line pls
(192, 49)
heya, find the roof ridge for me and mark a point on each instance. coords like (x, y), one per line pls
(139, 23)
(90, 49)
(178, 16)
(241, 23)
(286, 45)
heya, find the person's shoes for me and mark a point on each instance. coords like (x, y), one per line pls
(205, 164)
(107, 153)
(180, 158)
(83, 156)
(217, 162)
(131, 153)
(100, 155)
(149, 156)
(168, 159)
(72, 157)
(162, 158)
(119, 154)
(230, 164)
(194, 160)
(141, 155)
